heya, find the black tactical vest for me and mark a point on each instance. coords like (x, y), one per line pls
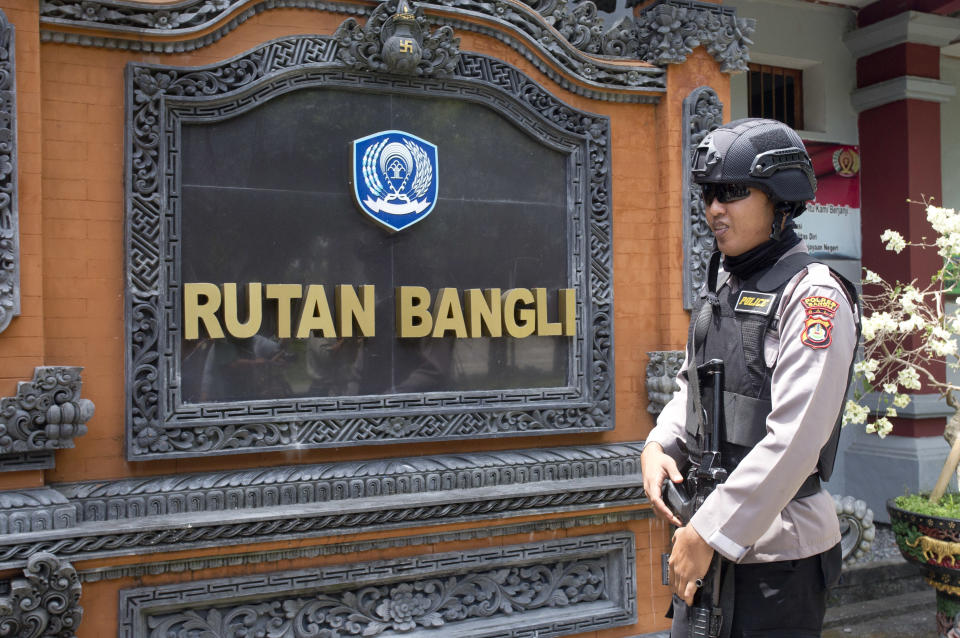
(732, 328)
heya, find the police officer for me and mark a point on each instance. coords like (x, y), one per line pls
(786, 328)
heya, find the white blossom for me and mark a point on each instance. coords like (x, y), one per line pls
(853, 412)
(867, 368)
(910, 299)
(949, 244)
(909, 378)
(901, 400)
(878, 323)
(943, 220)
(871, 277)
(890, 388)
(953, 323)
(882, 427)
(894, 241)
(942, 348)
(915, 322)
(891, 412)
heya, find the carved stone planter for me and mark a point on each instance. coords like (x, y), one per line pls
(933, 543)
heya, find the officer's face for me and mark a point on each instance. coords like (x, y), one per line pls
(742, 224)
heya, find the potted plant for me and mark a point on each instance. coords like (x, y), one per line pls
(908, 335)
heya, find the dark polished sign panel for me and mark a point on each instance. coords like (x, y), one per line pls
(266, 197)
(247, 252)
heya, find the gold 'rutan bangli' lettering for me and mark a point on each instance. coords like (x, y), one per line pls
(229, 310)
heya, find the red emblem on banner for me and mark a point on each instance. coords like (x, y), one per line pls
(819, 321)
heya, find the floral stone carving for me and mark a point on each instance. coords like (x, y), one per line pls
(46, 602)
(548, 588)
(669, 31)
(401, 608)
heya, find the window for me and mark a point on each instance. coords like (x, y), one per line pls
(776, 93)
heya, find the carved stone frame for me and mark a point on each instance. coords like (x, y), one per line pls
(702, 112)
(9, 213)
(159, 98)
(548, 588)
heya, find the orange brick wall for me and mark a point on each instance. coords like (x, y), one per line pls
(71, 135)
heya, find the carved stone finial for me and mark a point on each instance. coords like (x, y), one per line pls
(396, 39)
(45, 603)
(46, 414)
(661, 378)
(402, 40)
(669, 30)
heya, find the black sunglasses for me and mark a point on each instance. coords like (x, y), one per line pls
(725, 193)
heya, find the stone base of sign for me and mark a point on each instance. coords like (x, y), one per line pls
(878, 469)
(554, 588)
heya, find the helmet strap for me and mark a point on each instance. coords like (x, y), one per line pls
(782, 212)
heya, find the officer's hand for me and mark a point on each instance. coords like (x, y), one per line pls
(656, 465)
(689, 560)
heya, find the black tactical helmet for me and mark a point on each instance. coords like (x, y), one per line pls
(766, 154)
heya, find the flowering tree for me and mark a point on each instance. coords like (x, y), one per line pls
(907, 333)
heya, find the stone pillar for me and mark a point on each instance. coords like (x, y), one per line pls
(898, 99)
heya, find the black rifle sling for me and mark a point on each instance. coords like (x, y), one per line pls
(708, 301)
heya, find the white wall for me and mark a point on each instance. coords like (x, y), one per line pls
(807, 36)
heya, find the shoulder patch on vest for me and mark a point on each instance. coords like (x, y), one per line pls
(758, 303)
(819, 321)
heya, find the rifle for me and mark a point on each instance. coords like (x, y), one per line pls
(706, 617)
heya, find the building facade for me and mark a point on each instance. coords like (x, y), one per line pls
(339, 317)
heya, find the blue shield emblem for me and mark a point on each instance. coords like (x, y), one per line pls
(395, 178)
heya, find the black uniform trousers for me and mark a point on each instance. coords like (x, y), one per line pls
(783, 599)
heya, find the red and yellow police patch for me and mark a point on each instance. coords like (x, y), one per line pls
(819, 321)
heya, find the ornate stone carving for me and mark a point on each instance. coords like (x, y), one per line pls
(662, 369)
(564, 32)
(299, 485)
(702, 112)
(161, 426)
(97, 574)
(622, 39)
(205, 529)
(857, 529)
(47, 413)
(669, 31)
(9, 224)
(45, 603)
(553, 588)
(396, 39)
(132, 516)
(27, 461)
(34, 510)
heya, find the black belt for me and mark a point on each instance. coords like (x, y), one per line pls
(810, 487)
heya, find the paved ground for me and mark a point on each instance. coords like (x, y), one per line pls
(875, 618)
